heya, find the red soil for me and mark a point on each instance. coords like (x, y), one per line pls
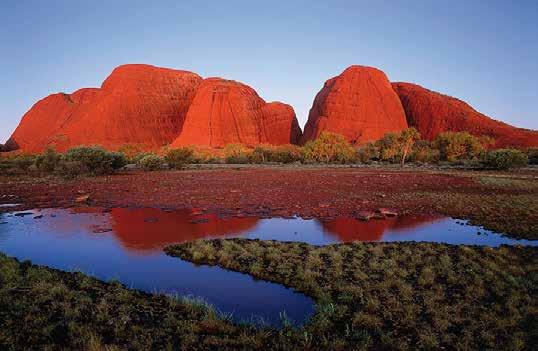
(360, 104)
(432, 113)
(225, 112)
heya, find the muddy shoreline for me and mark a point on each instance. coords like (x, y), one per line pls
(324, 193)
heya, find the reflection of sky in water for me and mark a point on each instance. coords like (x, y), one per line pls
(126, 244)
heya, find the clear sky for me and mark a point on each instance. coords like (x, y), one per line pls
(484, 52)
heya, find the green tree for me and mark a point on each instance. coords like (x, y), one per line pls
(330, 148)
(406, 140)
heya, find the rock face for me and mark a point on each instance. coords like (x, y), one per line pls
(360, 104)
(136, 104)
(432, 113)
(225, 112)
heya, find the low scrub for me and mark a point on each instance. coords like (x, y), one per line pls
(178, 158)
(95, 160)
(506, 159)
(151, 162)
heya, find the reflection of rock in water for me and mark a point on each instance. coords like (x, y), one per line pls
(351, 229)
(134, 232)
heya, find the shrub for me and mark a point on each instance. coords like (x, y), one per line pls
(95, 160)
(368, 152)
(260, 154)
(506, 159)
(72, 169)
(406, 140)
(329, 148)
(287, 154)
(118, 160)
(151, 162)
(131, 151)
(388, 147)
(235, 153)
(460, 146)
(423, 152)
(532, 154)
(48, 161)
(23, 162)
(177, 158)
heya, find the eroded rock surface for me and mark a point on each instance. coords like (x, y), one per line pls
(359, 103)
(226, 111)
(432, 113)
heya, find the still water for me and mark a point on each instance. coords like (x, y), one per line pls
(126, 245)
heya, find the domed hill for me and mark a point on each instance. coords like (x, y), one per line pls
(225, 111)
(432, 113)
(360, 104)
(136, 104)
(41, 123)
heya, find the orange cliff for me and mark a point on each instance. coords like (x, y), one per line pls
(136, 104)
(432, 113)
(226, 111)
(360, 104)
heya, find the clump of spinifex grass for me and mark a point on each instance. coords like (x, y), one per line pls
(398, 295)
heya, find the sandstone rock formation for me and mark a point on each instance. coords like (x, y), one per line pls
(226, 111)
(360, 104)
(136, 104)
(432, 113)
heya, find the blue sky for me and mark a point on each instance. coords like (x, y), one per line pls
(484, 52)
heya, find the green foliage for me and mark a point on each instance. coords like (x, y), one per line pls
(178, 158)
(372, 296)
(131, 151)
(330, 148)
(279, 154)
(23, 162)
(455, 146)
(368, 152)
(235, 153)
(506, 159)
(394, 147)
(94, 159)
(48, 161)
(151, 162)
(423, 152)
(533, 156)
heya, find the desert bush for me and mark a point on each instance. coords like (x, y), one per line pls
(48, 161)
(455, 146)
(23, 162)
(287, 154)
(177, 158)
(423, 152)
(203, 155)
(131, 151)
(330, 148)
(388, 147)
(95, 160)
(368, 152)
(235, 153)
(260, 154)
(151, 162)
(72, 169)
(506, 159)
(532, 154)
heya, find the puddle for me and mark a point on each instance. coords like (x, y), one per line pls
(126, 244)
(9, 205)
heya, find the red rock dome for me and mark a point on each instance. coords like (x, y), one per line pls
(360, 104)
(137, 104)
(432, 113)
(225, 111)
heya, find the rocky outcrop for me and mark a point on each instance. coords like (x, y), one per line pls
(226, 111)
(136, 104)
(360, 104)
(432, 113)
